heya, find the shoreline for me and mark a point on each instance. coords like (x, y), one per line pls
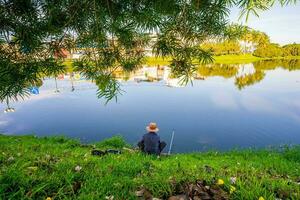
(224, 59)
(60, 167)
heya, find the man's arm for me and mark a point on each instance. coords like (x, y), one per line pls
(161, 145)
(143, 139)
(158, 139)
(141, 143)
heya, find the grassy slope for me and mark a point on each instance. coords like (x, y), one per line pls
(36, 168)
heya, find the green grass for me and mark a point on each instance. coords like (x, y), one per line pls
(224, 59)
(236, 59)
(154, 61)
(37, 168)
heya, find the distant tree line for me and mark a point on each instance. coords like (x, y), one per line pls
(246, 79)
(251, 41)
(274, 50)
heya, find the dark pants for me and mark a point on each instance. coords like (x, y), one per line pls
(161, 146)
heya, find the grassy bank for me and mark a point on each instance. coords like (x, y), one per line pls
(60, 168)
(246, 58)
(224, 59)
(236, 59)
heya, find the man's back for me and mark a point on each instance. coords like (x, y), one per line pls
(151, 142)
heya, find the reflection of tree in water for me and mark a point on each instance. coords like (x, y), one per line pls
(16, 83)
(262, 66)
(288, 64)
(229, 71)
(112, 35)
(249, 79)
(291, 65)
(266, 65)
(19, 75)
(224, 70)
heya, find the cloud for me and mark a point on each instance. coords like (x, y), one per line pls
(5, 120)
(294, 103)
(289, 108)
(224, 100)
(257, 104)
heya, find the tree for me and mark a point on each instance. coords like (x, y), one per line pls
(113, 32)
(223, 48)
(253, 38)
(291, 50)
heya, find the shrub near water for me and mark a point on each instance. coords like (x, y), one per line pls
(61, 168)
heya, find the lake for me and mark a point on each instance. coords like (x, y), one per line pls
(227, 106)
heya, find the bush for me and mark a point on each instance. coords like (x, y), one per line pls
(269, 51)
(291, 50)
(117, 142)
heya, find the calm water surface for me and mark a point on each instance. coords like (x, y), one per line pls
(213, 113)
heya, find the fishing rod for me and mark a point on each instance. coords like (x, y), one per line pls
(171, 143)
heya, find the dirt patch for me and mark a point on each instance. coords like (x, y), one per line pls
(200, 190)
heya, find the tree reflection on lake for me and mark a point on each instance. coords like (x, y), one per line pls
(227, 105)
(13, 88)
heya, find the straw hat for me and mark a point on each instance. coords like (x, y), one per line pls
(152, 127)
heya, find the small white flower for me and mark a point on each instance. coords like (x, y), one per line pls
(232, 180)
(207, 187)
(11, 158)
(78, 168)
(139, 193)
(109, 197)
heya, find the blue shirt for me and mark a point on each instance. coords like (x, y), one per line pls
(151, 141)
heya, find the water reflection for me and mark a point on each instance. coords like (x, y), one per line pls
(227, 106)
(244, 75)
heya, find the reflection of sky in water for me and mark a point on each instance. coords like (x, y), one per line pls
(211, 114)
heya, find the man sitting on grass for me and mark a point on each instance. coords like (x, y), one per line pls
(150, 142)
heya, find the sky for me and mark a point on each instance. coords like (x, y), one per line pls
(282, 24)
